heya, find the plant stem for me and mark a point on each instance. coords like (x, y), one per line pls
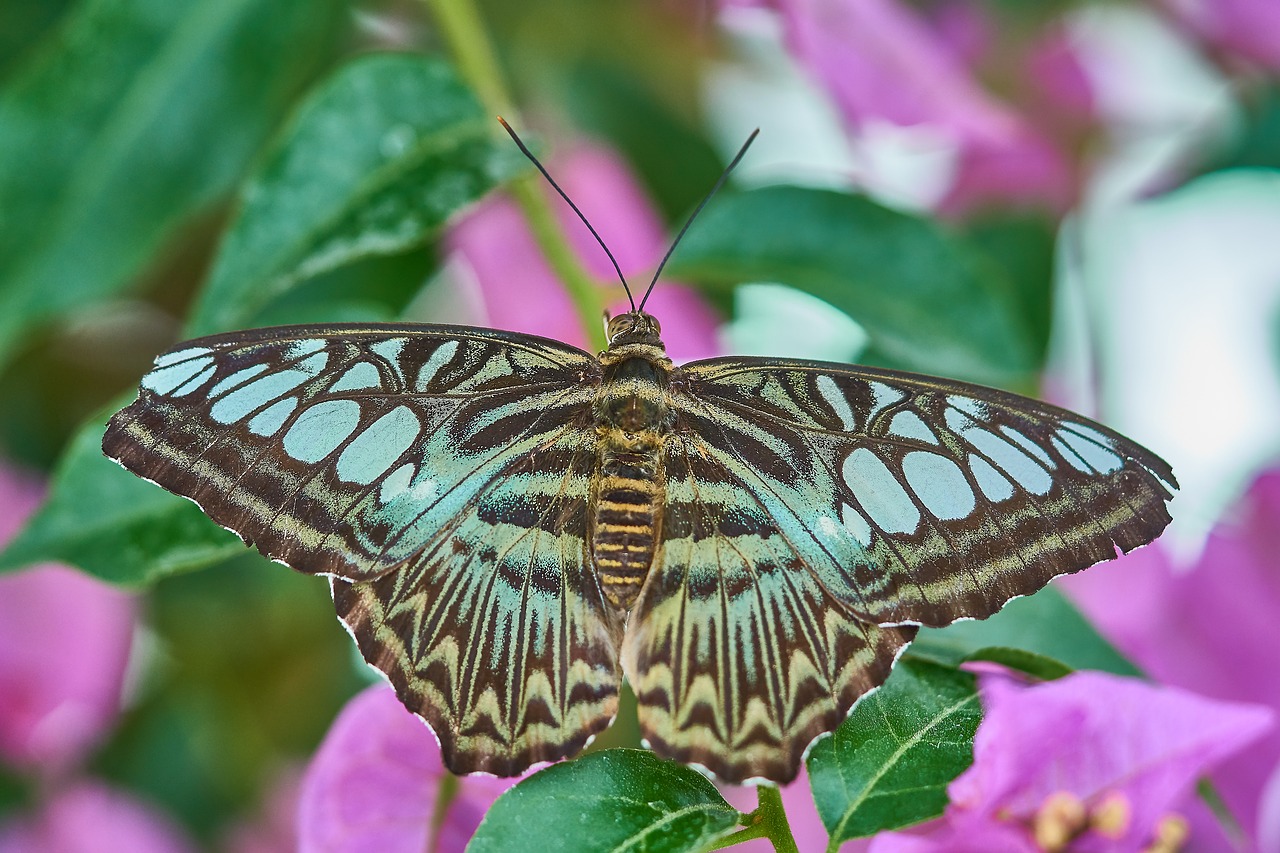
(473, 53)
(769, 820)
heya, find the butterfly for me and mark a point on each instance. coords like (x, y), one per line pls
(510, 524)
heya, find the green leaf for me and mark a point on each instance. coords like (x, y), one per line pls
(114, 525)
(378, 157)
(1042, 667)
(1046, 623)
(929, 301)
(1023, 245)
(621, 799)
(1255, 142)
(889, 764)
(332, 195)
(132, 116)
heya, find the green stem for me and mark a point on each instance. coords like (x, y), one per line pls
(474, 56)
(769, 820)
(445, 795)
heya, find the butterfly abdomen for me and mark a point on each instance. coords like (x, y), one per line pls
(632, 417)
(625, 524)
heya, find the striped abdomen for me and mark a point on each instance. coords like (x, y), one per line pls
(628, 502)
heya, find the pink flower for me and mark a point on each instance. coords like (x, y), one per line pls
(1209, 627)
(64, 644)
(1247, 28)
(375, 782)
(520, 292)
(89, 817)
(275, 828)
(881, 61)
(1094, 760)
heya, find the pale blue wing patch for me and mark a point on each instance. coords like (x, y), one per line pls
(940, 484)
(236, 379)
(358, 377)
(243, 401)
(835, 398)
(994, 485)
(378, 446)
(880, 494)
(171, 377)
(1087, 449)
(1003, 454)
(268, 421)
(907, 424)
(320, 429)
(442, 356)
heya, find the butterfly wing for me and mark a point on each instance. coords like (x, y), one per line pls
(923, 500)
(497, 633)
(341, 449)
(738, 655)
(441, 476)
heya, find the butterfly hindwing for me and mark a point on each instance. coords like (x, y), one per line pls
(339, 450)
(496, 632)
(922, 500)
(738, 655)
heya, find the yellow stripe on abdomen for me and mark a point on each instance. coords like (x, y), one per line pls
(626, 514)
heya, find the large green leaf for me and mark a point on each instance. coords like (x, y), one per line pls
(1046, 623)
(373, 164)
(889, 764)
(132, 116)
(620, 799)
(928, 300)
(301, 217)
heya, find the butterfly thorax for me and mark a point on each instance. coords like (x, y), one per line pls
(632, 418)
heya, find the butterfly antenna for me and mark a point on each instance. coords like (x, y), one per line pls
(724, 176)
(525, 150)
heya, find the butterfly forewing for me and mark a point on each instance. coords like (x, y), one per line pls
(339, 450)
(922, 500)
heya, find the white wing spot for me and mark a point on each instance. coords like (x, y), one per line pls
(359, 376)
(169, 358)
(269, 420)
(377, 448)
(940, 485)
(1028, 445)
(881, 495)
(320, 429)
(164, 380)
(856, 523)
(443, 355)
(993, 484)
(238, 378)
(906, 424)
(835, 398)
(1091, 446)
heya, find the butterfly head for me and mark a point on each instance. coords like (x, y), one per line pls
(633, 327)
